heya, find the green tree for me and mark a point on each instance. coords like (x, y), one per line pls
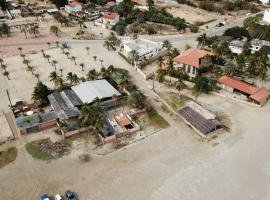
(180, 85)
(137, 99)
(230, 68)
(55, 79)
(41, 92)
(55, 30)
(24, 30)
(82, 65)
(34, 30)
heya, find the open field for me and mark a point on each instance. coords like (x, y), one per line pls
(22, 81)
(191, 14)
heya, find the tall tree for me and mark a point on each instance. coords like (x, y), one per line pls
(41, 92)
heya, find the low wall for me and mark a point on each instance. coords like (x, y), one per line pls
(107, 139)
(75, 132)
(41, 126)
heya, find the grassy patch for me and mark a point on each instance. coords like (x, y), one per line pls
(36, 153)
(173, 99)
(156, 119)
(7, 156)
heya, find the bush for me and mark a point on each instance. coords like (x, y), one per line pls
(237, 32)
(194, 28)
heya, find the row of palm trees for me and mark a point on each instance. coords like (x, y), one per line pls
(29, 67)
(111, 41)
(32, 30)
(4, 68)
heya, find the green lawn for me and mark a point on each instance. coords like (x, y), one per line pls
(156, 119)
(8, 156)
(175, 100)
(36, 153)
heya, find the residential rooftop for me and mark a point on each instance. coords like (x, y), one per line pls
(89, 90)
(192, 57)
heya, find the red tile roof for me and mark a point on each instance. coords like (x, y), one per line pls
(110, 4)
(261, 95)
(110, 15)
(192, 57)
(258, 94)
(74, 3)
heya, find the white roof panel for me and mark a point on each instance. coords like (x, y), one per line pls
(88, 91)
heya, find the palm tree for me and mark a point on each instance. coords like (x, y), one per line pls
(24, 30)
(1, 61)
(95, 58)
(67, 54)
(74, 59)
(54, 78)
(20, 49)
(34, 30)
(61, 72)
(160, 62)
(202, 40)
(55, 30)
(180, 85)
(43, 53)
(82, 66)
(230, 68)
(101, 61)
(23, 56)
(31, 69)
(6, 73)
(160, 75)
(54, 62)
(92, 75)
(57, 44)
(4, 67)
(87, 49)
(48, 58)
(75, 79)
(167, 45)
(37, 77)
(133, 56)
(70, 77)
(49, 44)
(107, 44)
(26, 62)
(81, 23)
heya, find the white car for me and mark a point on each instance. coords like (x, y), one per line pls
(58, 197)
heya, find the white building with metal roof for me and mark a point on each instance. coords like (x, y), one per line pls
(89, 90)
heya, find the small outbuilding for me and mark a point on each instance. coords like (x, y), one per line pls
(200, 119)
(236, 86)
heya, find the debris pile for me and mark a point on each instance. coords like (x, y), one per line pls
(52, 148)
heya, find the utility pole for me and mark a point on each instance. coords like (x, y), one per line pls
(8, 98)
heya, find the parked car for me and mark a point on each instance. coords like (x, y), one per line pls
(58, 197)
(70, 195)
(44, 197)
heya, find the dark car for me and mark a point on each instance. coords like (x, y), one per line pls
(70, 195)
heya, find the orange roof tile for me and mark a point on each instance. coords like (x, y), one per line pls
(192, 57)
(110, 15)
(258, 94)
(261, 95)
(74, 3)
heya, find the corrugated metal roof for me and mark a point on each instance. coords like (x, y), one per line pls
(205, 126)
(88, 91)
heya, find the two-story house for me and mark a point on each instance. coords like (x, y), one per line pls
(192, 60)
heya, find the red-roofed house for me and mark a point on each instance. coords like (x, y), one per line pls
(73, 6)
(110, 18)
(233, 84)
(192, 60)
(110, 4)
